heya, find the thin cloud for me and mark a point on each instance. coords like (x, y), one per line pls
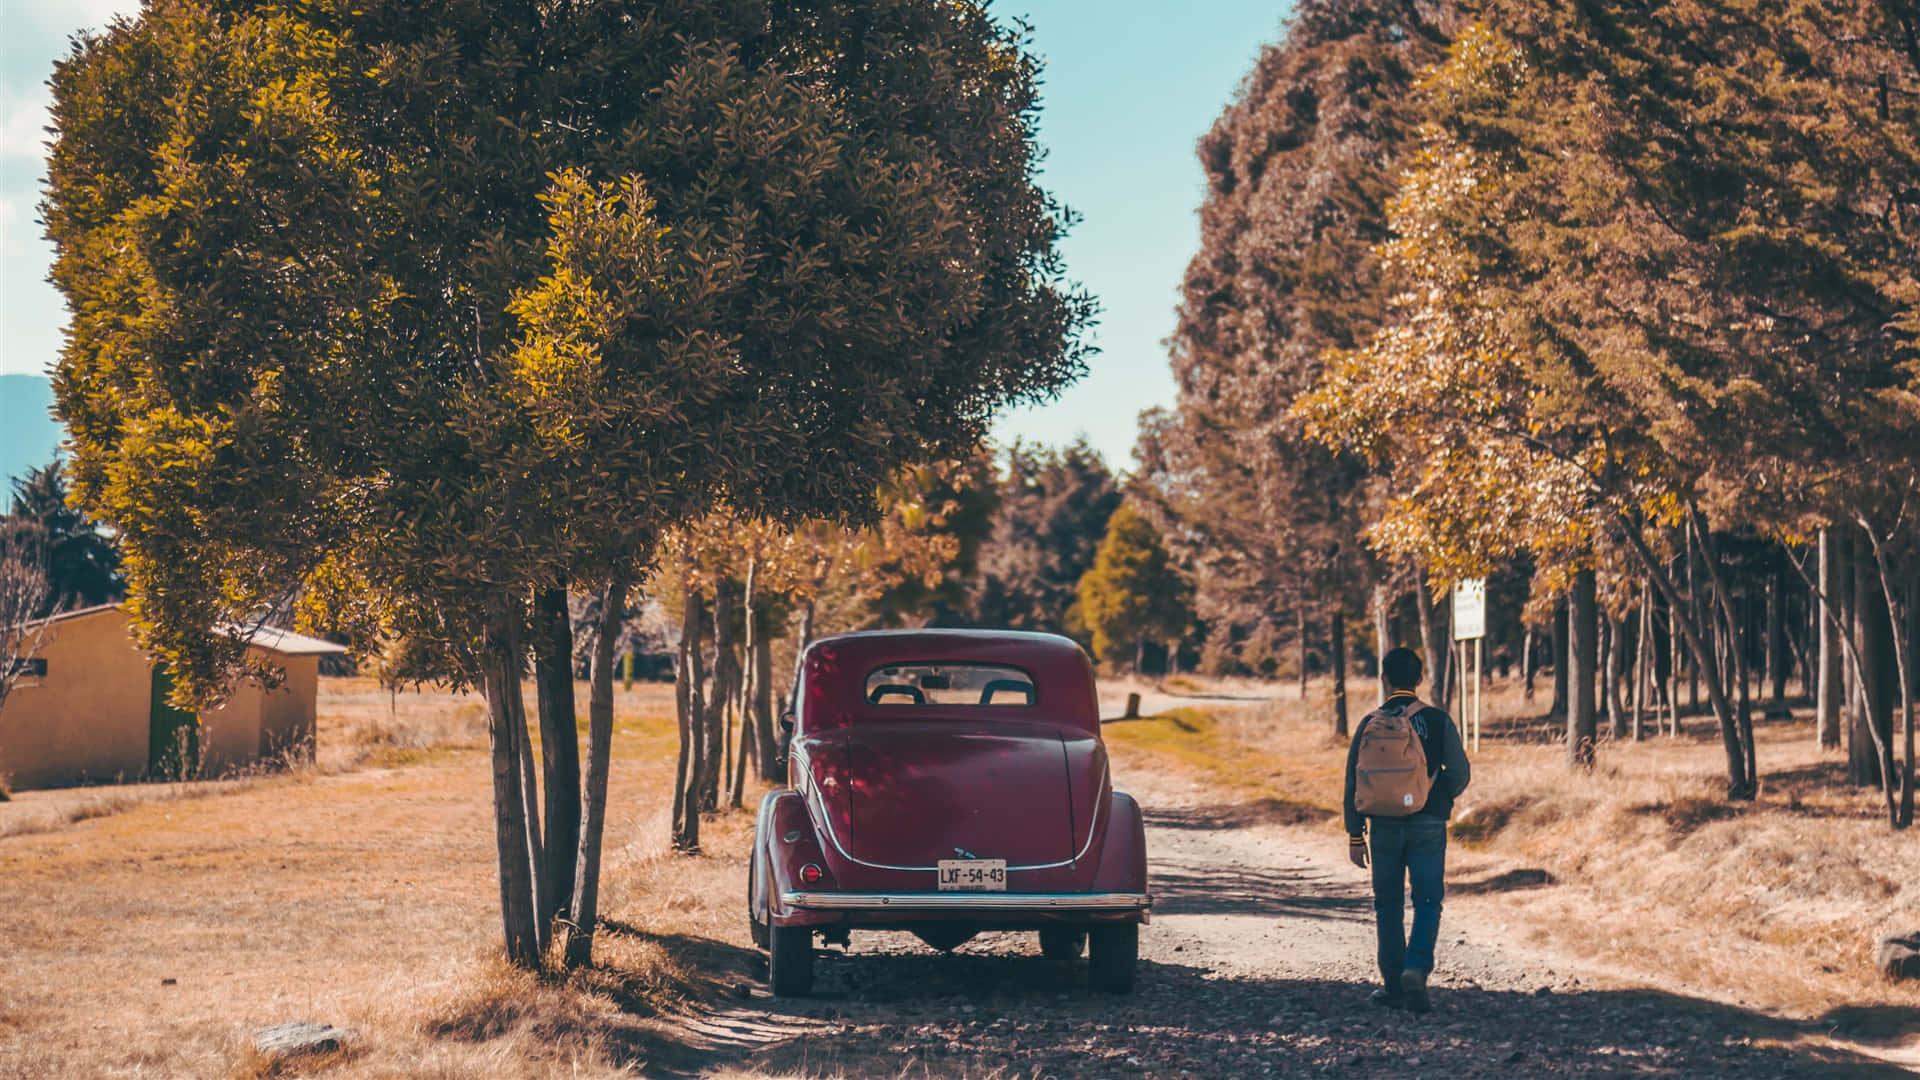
(24, 120)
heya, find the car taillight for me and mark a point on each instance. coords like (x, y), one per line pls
(811, 874)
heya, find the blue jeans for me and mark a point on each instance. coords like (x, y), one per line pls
(1402, 850)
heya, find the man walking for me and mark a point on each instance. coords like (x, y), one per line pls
(1405, 767)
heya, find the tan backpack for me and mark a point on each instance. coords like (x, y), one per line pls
(1390, 777)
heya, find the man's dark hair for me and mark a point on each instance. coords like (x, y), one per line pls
(1402, 668)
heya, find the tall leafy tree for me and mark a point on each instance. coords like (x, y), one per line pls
(1298, 169)
(462, 301)
(1134, 593)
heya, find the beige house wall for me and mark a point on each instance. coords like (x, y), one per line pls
(286, 714)
(87, 719)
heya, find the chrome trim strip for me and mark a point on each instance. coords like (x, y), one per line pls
(966, 901)
(812, 794)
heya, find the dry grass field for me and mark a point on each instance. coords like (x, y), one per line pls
(150, 930)
(152, 935)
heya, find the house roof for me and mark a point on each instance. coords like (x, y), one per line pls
(270, 638)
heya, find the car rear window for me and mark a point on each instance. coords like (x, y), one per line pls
(950, 684)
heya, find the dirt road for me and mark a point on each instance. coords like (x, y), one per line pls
(1257, 963)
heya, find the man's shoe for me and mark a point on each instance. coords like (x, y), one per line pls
(1387, 999)
(1413, 992)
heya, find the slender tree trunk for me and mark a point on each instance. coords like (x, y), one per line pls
(1382, 631)
(1670, 677)
(1562, 668)
(799, 665)
(1743, 718)
(1870, 702)
(1694, 611)
(692, 713)
(1300, 619)
(584, 916)
(766, 756)
(1337, 619)
(1526, 662)
(559, 744)
(718, 694)
(1642, 651)
(506, 734)
(1615, 631)
(1583, 632)
(536, 847)
(750, 672)
(1890, 589)
(1830, 691)
(1777, 637)
(1433, 637)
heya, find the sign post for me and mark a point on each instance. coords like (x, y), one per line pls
(1469, 631)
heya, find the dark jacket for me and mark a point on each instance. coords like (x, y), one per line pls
(1446, 761)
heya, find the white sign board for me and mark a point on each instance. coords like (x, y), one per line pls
(1470, 609)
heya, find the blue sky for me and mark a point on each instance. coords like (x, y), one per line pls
(1129, 86)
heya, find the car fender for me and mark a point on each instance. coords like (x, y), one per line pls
(786, 841)
(1123, 851)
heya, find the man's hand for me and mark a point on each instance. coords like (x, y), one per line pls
(1357, 851)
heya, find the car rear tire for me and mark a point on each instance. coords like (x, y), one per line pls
(1113, 949)
(1063, 944)
(790, 960)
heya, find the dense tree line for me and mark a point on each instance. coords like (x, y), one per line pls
(1630, 303)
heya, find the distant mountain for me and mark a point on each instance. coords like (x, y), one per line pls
(29, 434)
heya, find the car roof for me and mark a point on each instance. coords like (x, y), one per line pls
(836, 669)
(944, 643)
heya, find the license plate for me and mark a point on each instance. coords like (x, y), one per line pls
(973, 875)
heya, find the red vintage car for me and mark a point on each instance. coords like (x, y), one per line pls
(946, 782)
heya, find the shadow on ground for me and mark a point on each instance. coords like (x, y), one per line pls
(1181, 888)
(996, 1008)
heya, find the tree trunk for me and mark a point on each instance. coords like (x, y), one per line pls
(1561, 667)
(1338, 620)
(1433, 644)
(584, 916)
(799, 664)
(765, 741)
(1526, 663)
(559, 745)
(1831, 685)
(1583, 652)
(1895, 658)
(536, 847)
(718, 694)
(691, 713)
(506, 734)
(1870, 702)
(750, 672)
(1382, 630)
(1695, 613)
(1777, 638)
(1300, 620)
(1614, 632)
(1641, 652)
(1743, 715)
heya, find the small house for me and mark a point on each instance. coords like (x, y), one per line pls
(93, 707)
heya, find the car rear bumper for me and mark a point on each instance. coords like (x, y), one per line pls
(986, 903)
